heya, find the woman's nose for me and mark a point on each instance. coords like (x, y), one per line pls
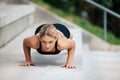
(47, 45)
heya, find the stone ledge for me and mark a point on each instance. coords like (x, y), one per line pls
(13, 20)
(97, 44)
(10, 13)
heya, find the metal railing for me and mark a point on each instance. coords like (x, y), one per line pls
(105, 15)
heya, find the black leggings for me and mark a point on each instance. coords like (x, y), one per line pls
(60, 27)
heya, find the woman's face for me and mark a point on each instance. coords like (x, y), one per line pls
(48, 43)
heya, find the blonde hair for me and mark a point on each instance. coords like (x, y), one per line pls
(48, 29)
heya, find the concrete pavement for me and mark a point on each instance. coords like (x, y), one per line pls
(100, 65)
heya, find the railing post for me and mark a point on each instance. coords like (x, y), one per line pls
(105, 15)
(105, 25)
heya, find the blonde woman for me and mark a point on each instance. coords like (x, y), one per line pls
(50, 39)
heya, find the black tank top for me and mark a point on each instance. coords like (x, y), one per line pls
(48, 53)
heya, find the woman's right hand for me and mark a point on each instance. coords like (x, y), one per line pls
(28, 63)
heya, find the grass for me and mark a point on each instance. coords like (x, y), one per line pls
(80, 22)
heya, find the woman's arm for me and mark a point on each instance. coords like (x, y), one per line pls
(27, 45)
(71, 52)
(69, 44)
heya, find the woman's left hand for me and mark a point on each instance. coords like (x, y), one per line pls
(70, 66)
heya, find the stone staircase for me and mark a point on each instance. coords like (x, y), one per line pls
(13, 20)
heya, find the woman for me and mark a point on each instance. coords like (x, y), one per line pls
(50, 39)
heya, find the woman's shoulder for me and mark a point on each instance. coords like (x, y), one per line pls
(33, 41)
(63, 43)
(35, 38)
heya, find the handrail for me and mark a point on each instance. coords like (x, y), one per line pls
(103, 8)
(105, 15)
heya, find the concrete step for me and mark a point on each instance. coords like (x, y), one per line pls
(13, 20)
